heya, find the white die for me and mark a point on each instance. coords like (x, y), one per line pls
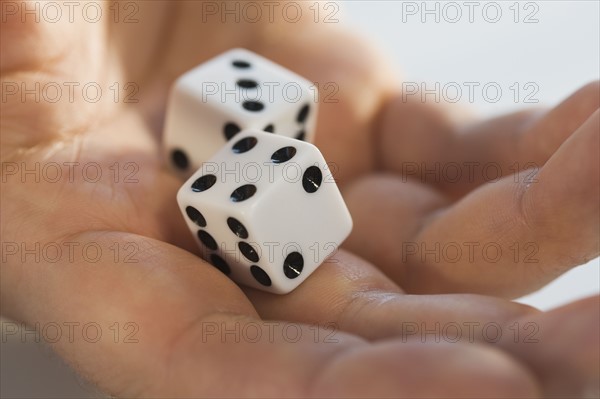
(265, 210)
(234, 91)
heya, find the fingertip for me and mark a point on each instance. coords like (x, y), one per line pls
(412, 369)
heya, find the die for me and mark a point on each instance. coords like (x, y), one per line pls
(265, 210)
(236, 90)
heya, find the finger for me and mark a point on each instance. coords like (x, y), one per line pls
(457, 160)
(568, 337)
(543, 136)
(349, 294)
(358, 374)
(195, 334)
(387, 212)
(534, 229)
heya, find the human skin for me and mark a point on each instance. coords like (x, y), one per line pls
(368, 290)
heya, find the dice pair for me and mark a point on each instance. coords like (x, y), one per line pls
(264, 209)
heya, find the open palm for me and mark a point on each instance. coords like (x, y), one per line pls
(132, 258)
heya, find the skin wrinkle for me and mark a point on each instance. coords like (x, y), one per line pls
(34, 66)
(357, 303)
(361, 301)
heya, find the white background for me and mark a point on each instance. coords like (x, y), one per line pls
(558, 54)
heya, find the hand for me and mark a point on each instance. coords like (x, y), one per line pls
(176, 299)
